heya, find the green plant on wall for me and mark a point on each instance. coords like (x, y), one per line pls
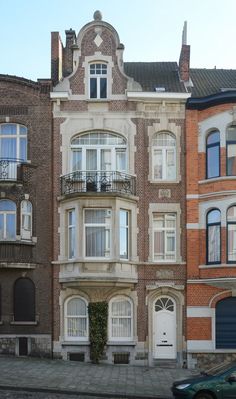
(98, 316)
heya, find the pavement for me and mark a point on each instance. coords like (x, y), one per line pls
(70, 377)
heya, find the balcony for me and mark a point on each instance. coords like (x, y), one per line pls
(10, 169)
(17, 252)
(98, 182)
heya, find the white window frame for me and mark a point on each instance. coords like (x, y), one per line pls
(26, 214)
(5, 213)
(71, 233)
(165, 230)
(66, 317)
(126, 228)
(164, 151)
(98, 76)
(111, 317)
(108, 228)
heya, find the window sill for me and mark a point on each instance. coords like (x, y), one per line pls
(121, 343)
(17, 241)
(164, 181)
(97, 100)
(217, 265)
(215, 179)
(71, 343)
(24, 323)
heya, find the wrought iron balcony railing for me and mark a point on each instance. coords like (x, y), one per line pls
(9, 167)
(98, 181)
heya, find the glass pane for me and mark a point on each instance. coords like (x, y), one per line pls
(170, 161)
(103, 88)
(213, 137)
(8, 148)
(77, 327)
(164, 140)
(157, 164)
(101, 138)
(158, 245)
(231, 214)
(232, 242)
(170, 242)
(11, 226)
(213, 216)
(121, 308)
(97, 242)
(1, 226)
(213, 161)
(23, 148)
(214, 243)
(121, 327)
(7, 205)
(91, 160)
(231, 159)
(231, 133)
(121, 160)
(93, 87)
(8, 129)
(23, 130)
(26, 222)
(76, 307)
(97, 216)
(106, 160)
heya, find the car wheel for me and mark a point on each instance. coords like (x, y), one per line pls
(203, 395)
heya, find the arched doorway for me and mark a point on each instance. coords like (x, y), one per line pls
(164, 324)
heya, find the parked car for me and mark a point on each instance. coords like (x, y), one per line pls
(216, 383)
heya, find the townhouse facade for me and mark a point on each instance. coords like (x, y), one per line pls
(117, 187)
(25, 217)
(119, 198)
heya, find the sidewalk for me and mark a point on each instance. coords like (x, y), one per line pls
(103, 380)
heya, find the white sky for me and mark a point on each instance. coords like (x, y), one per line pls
(151, 30)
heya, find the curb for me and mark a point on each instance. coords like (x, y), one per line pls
(70, 392)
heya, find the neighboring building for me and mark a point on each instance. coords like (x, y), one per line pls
(119, 197)
(25, 217)
(211, 217)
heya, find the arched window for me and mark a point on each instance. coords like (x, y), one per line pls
(231, 150)
(213, 236)
(76, 319)
(24, 300)
(99, 151)
(120, 319)
(26, 220)
(98, 80)
(13, 149)
(225, 323)
(213, 154)
(164, 156)
(231, 234)
(7, 220)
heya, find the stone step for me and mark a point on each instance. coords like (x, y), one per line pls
(165, 363)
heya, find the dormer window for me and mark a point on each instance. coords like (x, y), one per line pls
(98, 80)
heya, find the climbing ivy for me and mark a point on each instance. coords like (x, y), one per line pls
(98, 316)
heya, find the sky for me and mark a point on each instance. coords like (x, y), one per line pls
(151, 30)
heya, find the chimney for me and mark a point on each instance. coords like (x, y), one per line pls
(184, 59)
(56, 57)
(68, 52)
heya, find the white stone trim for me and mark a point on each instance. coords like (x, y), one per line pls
(200, 345)
(135, 95)
(192, 226)
(199, 311)
(192, 196)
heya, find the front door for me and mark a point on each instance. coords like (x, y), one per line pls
(164, 328)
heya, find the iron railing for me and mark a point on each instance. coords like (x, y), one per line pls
(97, 182)
(8, 168)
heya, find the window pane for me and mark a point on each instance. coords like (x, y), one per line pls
(158, 245)
(91, 160)
(105, 159)
(121, 328)
(157, 164)
(124, 234)
(121, 308)
(8, 148)
(231, 159)
(103, 88)
(76, 307)
(213, 161)
(7, 205)
(231, 133)
(163, 140)
(231, 214)
(77, 327)
(1, 226)
(121, 160)
(213, 138)
(8, 129)
(97, 242)
(232, 242)
(93, 87)
(213, 216)
(214, 243)
(171, 169)
(10, 226)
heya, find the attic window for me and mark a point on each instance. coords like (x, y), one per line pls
(160, 89)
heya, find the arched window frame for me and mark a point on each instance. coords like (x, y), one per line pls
(26, 220)
(7, 220)
(231, 228)
(213, 152)
(98, 147)
(210, 227)
(69, 337)
(98, 80)
(231, 147)
(25, 303)
(127, 317)
(160, 154)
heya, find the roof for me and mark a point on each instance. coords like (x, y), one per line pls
(156, 74)
(212, 81)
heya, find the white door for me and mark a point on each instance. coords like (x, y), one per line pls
(164, 328)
